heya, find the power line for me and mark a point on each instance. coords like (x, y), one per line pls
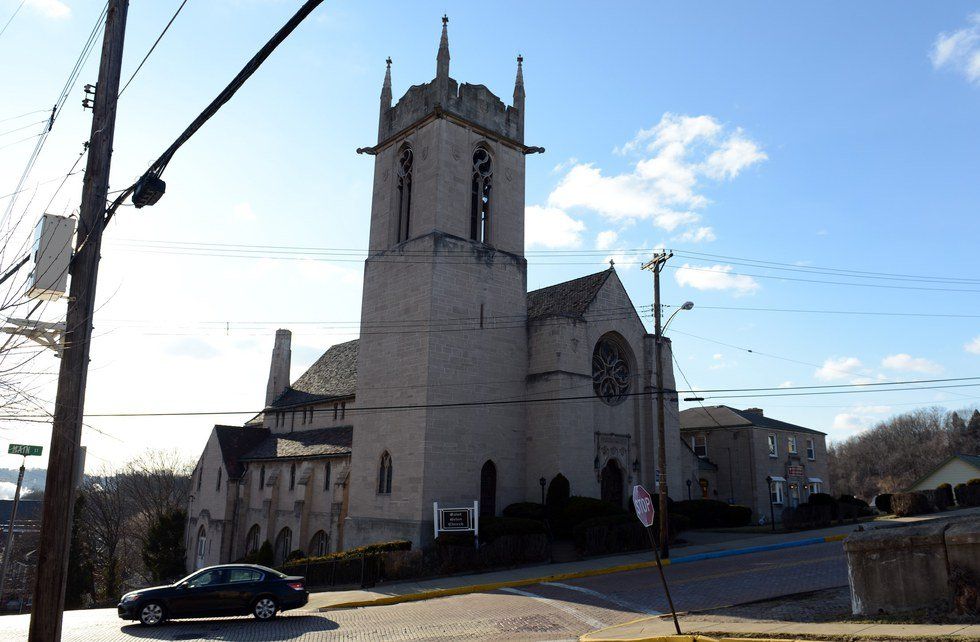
(14, 15)
(30, 113)
(159, 38)
(938, 315)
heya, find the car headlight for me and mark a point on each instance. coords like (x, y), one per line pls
(129, 597)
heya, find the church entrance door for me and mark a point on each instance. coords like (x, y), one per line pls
(612, 483)
(488, 490)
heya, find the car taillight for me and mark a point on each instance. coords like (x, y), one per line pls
(296, 586)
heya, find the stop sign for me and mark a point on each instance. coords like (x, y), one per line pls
(643, 504)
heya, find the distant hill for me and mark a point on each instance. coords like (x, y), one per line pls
(33, 478)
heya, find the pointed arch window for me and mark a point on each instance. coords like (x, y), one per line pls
(218, 485)
(482, 185)
(318, 544)
(262, 476)
(405, 161)
(292, 476)
(488, 489)
(326, 477)
(384, 474)
(284, 543)
(252, 539)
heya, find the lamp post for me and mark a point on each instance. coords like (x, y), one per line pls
(689, 489)
(542, 481)
(772, 511)
(688, 305)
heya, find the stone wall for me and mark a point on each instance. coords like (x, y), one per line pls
(933, 565)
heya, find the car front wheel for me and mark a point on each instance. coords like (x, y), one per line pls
(264, 609)
(151, 614)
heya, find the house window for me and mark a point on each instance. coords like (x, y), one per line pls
(292, 476)
(252, 539)
(772, 446)
(811, 451)
(343, 409)
(326, 477)
(318, 544)
(777, 491)
(791, 445)
(700, 445)
(218, 485)
(384, 474)
(405, 160)
(303, 419)
(336, 407)
(480, 204)
(813, 487)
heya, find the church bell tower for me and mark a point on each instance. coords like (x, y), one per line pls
(443, 342)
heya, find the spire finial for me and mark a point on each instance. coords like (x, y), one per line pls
(442, 59)
(388, 62)
(612, 264)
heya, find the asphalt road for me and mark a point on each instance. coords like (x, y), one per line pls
(550, 611)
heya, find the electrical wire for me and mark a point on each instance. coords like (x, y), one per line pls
(14, 15)
(159, 38)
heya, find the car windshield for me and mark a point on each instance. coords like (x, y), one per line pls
(188, 578)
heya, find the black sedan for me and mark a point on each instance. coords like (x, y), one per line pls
(232, 589)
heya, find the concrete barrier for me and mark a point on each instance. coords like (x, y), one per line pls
(898, 569)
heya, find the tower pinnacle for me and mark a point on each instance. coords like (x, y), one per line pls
(442, 59)
(519, 96)
(385, 99)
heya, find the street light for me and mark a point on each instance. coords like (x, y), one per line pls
(542, 481)
(688, 489)
(772, 511)
(688, 305)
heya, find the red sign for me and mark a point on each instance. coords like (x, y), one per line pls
(644, 505)
(794, 471)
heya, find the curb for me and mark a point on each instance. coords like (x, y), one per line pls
(694, 637)
(493, 586)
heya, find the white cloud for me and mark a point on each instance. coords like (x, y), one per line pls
(857, 419)
(664, 186)
(907, 363)
(50, 8)
(552, 228)
(785, 384)
(959, 50)
(715, 277)
(606, 239)
(836, 368)
(243, 212)
(701, 234)
(973, 346)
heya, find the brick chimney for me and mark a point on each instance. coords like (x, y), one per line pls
(279, 370)
(755, 411)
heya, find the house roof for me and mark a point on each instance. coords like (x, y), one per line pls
(28, 510)
(322, 442)
(972, 460)
(568, 299)
(332, 376)
(709, 417)
(235, 441)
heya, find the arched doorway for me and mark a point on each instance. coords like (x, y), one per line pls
(612, 483)
(488, 489)
(202, 546)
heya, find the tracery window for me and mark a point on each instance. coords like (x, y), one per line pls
(284, 543)
(252, 539)
(318, 544)
(384, 474)
(610, 371)
(405, 161)
(481, 188)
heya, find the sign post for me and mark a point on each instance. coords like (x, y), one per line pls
(8, 550)
(645, 512)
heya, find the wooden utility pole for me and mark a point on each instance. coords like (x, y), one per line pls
(59, 489)
(8, 549)
(655, 265)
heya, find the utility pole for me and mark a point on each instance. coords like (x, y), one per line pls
(8, 549)
(59, 491)
(655, 265)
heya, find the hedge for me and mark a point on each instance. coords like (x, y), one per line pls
(850, 507)
(525, 510)
(914, 503)
(493, 528)
(619, 533)
(807, 516)
(353, 553)
(447, 558)
(883, 502)
(968, 494)
(578, 509)
(711, 513)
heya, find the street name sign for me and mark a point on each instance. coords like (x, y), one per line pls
(25, 450)
(644, 505)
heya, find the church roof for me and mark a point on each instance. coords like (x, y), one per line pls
(709, 417)
(332, 376)
(304, 443)
(568, 299)
(235, 441)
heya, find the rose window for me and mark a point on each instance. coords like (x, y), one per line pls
(610, 372)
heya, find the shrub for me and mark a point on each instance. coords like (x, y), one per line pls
(678, 523)
(558, 492)
(944, 496)
(736, 515)
(883, 502)
(914, 503)
(353, 553)
(850, 507)
(264, 556)
(959, 492)
(493, 528)
(807, 516)
(968, 494)
(710, 513)
(525, 510)
(295, 555)
(445, 559)
(610, 534)
(456, 539)
(578, 509)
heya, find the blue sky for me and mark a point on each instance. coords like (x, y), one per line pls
(831, 135)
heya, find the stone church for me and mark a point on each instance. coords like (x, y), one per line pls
(463, 385)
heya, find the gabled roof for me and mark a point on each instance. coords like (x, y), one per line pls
(709, 417)
(235, 441)
(568, 299)
(332, 376)
(322, 442)
(970, 460)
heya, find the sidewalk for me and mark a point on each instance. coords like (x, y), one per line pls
(702, 545)
(658, 628)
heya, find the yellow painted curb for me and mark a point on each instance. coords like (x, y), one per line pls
(694, 637)
(836, 538)
(491, 586)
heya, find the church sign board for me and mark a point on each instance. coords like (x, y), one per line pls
(794, 471)
(456, 519)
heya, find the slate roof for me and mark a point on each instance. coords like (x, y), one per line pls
(568, 299)
(332, 376)
(235, 441)
(304, 444)
(711, 416)
(28, 510)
